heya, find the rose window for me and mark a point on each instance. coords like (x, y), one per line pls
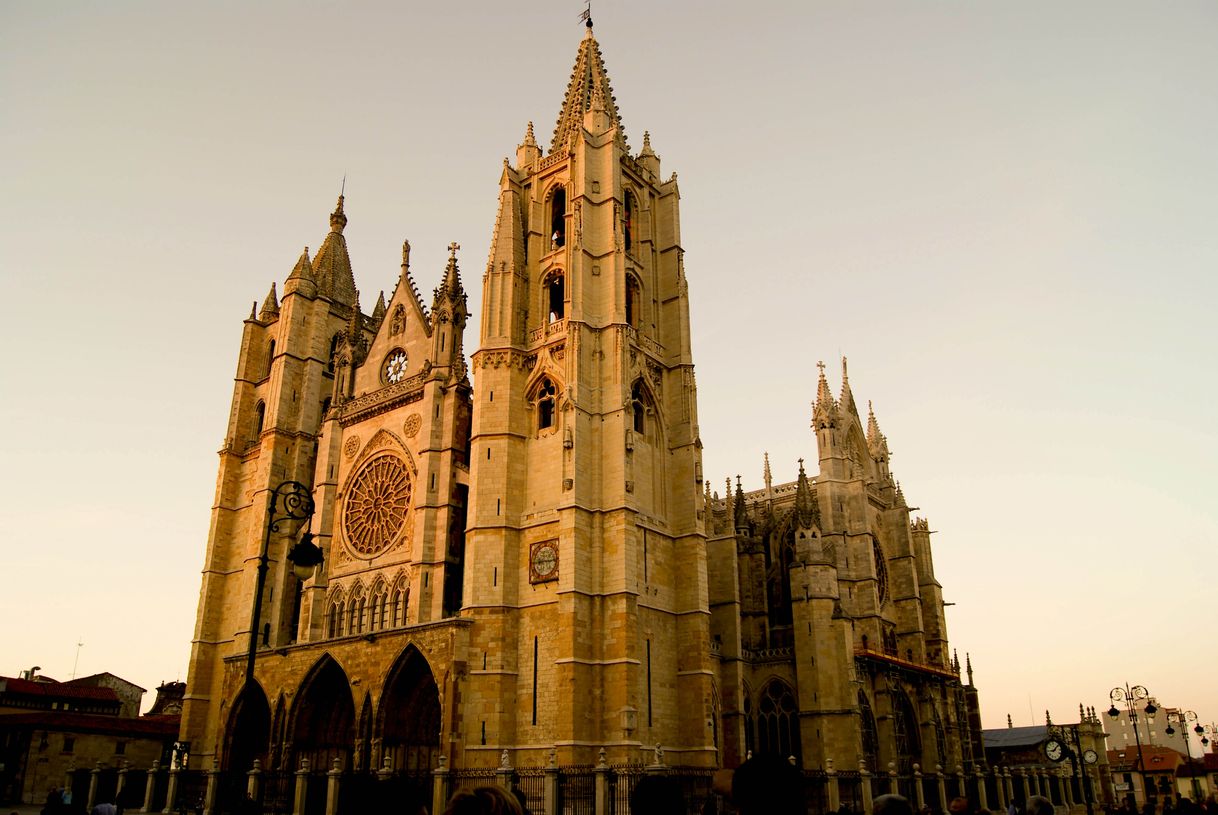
(376, 505)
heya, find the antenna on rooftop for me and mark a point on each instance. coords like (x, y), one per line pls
(79, 644)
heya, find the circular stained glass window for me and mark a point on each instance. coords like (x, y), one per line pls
(374, 515)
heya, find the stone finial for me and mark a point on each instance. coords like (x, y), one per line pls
(338, 218)
(766, 472)
(552, 761)
(504, 760)
(442, 762)
(601, 759)
(1010, 724)
(529, 138)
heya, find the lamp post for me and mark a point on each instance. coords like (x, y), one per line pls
(1205, 731)
(289, 502)
(1130, 695)
(1182, 718)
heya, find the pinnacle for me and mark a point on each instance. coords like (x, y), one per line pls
(270, 306)
(338, 218)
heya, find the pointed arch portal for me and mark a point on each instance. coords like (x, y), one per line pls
(324, 723)
(249, 730)
(410, 714)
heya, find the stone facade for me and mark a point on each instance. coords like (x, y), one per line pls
(521, 563)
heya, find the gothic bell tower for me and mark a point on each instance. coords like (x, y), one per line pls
(585, 550)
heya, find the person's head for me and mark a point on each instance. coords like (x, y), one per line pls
(958, 806)
(1040, 805)
(657, 795)
(891, 805)
(769, 785)
(483, 801)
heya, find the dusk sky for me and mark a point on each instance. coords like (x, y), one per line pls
(1003, 214)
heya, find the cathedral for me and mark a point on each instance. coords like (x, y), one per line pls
(521, 559)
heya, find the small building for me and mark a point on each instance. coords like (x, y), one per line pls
(50, 729)
(1149, 776)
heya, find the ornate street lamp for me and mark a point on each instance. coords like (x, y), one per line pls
(1182, 718)
(1130, 695)
(290, 502)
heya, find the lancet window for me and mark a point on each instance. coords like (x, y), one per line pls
(546, 397)
(556, 297)
(558, 220)
(633, 301)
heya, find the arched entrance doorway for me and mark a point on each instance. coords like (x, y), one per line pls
(249, 730)
(323, 727)
(409, 716)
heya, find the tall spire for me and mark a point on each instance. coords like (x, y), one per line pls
(766, 473)
(805, 504)
(332, 264)
(875, 439)
(588, 89)
(847, 399)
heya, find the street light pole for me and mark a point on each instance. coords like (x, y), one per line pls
(1183, 717)
(290, 501)
(1130, 695)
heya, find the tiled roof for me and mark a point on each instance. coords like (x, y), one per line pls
(1001, 737)
(1154, 758)
(56, 690)
(156, 726)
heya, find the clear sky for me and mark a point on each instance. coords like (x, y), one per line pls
(1002, 213)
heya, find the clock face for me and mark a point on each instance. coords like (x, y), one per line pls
(543, 561)
(1054, 750)
(1091, 757)
(395, 367)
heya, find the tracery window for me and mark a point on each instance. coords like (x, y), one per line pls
(871, 739)
(905, 732)
(546, 396)
(778, 720)
(881, 570)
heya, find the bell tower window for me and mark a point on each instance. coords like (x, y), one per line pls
(259, 417)
(545, 405)
(558, 220)
(556, 297)
(638, 407)
(628, 221)
(632, 301)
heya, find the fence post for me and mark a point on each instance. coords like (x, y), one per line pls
(919, 793)
(1023, 785)
(961, 787)
(302, 788)
(213, 782)
(504, 772)
(941, 785)
(333, 778)
(171, 792)
(983, 799)
(865, 786)
(550, 790)
(150, 785)
(94, 778)
(386, 770)
(835, 795)
(892, 778)
(254, 785)
(601, 804)
(439, 785)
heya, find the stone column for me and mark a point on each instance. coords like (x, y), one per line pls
(983, 797)
(68, 773)
(550, 790)
(122, 781)
(150, 785)
(213, 786)
(999, 792)
(601, 804)
(1008, 784)
(302, 788)
(439, 785)
(865, 786)
(1068, 784)
(892, 778)
(254, 785)
(1023, 785)
(919, 793)
(961, 787)
(941, 783)
(835, 794)
(333, 779)
(94, 780)
(171, 792)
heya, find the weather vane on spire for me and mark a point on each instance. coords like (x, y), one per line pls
(585, 16)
